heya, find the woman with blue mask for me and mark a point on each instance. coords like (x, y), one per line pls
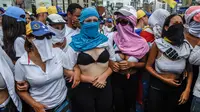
(91, 51)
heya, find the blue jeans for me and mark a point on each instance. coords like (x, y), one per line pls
(195, 107)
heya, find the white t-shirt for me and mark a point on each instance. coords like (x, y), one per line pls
(69, 33)
(48, 87)
(6, 71)
(19, 46)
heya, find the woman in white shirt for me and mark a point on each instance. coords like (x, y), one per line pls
(9, 101)
(13, 25)
(43, 67)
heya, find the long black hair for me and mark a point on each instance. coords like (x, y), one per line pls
(11, 30)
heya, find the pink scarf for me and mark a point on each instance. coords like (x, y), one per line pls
(128, 41)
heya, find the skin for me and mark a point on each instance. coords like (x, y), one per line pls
(170, 78)
(3, 95)
(109, 24)
(42, 17)
(125, 65)
(174, 20)
(142, 22)
(99, 81)
(1, 18)
(28, 18)
(35, 57)
(72, 19)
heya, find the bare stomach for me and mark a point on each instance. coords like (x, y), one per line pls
(94, 69)
(170, 76)
(3, 95)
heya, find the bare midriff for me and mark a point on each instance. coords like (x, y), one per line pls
(3, 95)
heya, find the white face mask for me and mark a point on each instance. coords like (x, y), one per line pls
(108, 29)
(59, 34)
(44, 48)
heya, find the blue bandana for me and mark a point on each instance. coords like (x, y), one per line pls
(89, 37)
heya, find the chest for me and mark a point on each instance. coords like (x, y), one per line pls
(42, 74)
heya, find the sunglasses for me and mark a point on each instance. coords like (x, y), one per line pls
(123, 21)
(42, 37)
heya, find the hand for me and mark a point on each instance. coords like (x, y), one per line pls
(76, 80)
(22, 85)
(114, 66)
(184, 97)
(100, 81)
(172, 82)
(38, 107)
(124, 65)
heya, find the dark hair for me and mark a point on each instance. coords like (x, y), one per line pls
(11, 30)
(72, 7)
(167, 22)
(28, 46)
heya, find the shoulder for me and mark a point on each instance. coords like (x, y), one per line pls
(19, 40)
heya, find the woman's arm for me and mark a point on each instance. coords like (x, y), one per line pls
(139, 64)
(100, 82)
(74, 75)
(126, 64)
(38, 107)
(152, 56)
(186, 93)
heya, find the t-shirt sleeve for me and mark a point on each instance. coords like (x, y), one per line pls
(110, 47)
(19, 73)
(69, 58)
(19, 46)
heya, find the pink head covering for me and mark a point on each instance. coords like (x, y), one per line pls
(128, 41)
(192, 13)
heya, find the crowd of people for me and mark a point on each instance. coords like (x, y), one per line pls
(79, 61)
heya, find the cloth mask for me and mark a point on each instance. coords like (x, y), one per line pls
(194, 28)
(90, 29)
(59, 34)
(44, 48)
(175, 34)
(129, 42)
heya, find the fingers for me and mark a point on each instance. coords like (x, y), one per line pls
(22, 88)
(182, 101)
(71, 78)
(75, 83)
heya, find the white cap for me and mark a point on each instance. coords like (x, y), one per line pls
(55, 19)
(127, 11)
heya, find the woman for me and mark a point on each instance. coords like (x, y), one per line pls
(13, 31)
(167, 64)
(91, 52)
(43, 67)
(156, 21)
(193, 35)
(130, 50)
(9, 101)
(28, 18)
(56, 24)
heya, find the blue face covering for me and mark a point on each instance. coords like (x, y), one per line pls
(90, 29)
(89, 37)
